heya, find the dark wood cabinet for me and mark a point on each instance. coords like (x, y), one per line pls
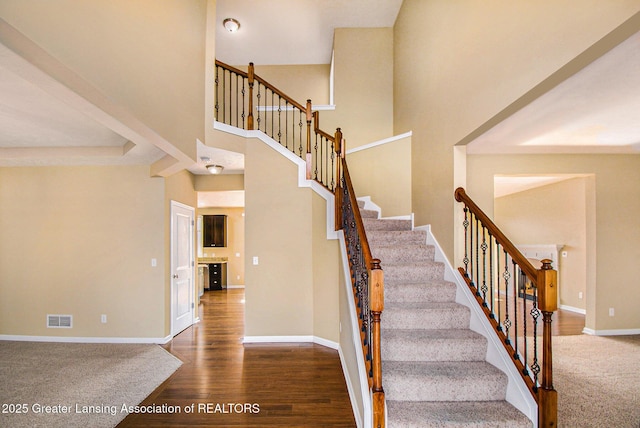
(217, 276)
(215, 230)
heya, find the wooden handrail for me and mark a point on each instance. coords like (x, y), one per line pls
(230, 68)
(461, 196)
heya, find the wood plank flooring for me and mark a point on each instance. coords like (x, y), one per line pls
(236, 385)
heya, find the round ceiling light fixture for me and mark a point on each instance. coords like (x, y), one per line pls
(215, 169)
(231, 25)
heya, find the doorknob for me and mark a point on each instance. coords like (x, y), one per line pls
(175, 276)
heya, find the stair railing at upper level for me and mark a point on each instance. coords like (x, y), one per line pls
(513, 295)
(245, 100)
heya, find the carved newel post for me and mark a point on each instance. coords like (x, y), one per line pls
(376, 293)
(548, 304)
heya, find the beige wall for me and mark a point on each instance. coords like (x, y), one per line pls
(326, 274)
(234, 251)
(553, 214)
(279, 290)
(458, 63)
(293, 289)
(384, 173)
(363, 82)
(300, 82)
(612, 237)
(146, 55)
(79, 241)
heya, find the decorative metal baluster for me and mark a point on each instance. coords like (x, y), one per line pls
(535, 314)
(315, 149)
(237, 94)
(272, 115)
(525, 346)
(477, 269)
(279, 120)
(300, 125)
(333, 155)
(258, 96)
(471, 273)
(484, 247)
(507, 281)
(286, 125)
(465, 223)
(243, 104)
(496, 302)
(491, 276)
(217, 106)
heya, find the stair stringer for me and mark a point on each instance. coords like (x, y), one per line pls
(517, 393)
(300, 163)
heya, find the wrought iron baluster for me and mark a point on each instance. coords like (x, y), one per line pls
(258, 96)
(491, 276)
(465, 223)
(217, 80)
(243, 104)
(535, 314)
(507, 281)
(484, 247)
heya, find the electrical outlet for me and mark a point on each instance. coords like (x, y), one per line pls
(580, 295)
(103, 319)
(612, 312)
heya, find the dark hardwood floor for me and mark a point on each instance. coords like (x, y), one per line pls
(267, 385)
(236, 385)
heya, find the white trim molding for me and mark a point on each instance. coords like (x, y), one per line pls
(291, 339)
(65, 339)
(573, 309)
(380, 142)
(617, 332)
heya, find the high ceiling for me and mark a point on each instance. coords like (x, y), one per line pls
(595, 111)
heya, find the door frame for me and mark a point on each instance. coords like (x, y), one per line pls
(192, 211)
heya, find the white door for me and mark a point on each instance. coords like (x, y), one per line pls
(182, 267)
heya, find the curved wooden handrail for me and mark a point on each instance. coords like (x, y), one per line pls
(522, 261)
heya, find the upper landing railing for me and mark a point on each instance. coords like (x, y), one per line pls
(245, 100)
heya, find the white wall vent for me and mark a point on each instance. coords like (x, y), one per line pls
(59, 321)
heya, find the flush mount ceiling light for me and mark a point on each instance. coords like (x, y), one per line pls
(231, 25)
(215, 169)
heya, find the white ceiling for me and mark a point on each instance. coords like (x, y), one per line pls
(293, 31)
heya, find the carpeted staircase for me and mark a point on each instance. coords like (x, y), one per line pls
(433, 365)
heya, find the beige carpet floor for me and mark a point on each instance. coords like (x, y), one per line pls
(90, 381)
(598, 381)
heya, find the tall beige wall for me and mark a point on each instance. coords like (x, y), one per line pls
(79, 241)
(300, 82)
(234, 251)
(293, 290)
(553, 214)
(384, 173)
(612, 237)
(363, 82)
(147, 56)
(458, 63)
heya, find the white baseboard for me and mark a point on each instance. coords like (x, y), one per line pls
(291, 339)
(618, 332)
(573, 309)
(64, 339)
(235, 286)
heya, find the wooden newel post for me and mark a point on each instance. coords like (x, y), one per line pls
(308, 158)
(251, 75)
(548, 304)
(376, 296)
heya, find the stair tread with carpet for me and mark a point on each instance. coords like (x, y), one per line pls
(434, 367)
